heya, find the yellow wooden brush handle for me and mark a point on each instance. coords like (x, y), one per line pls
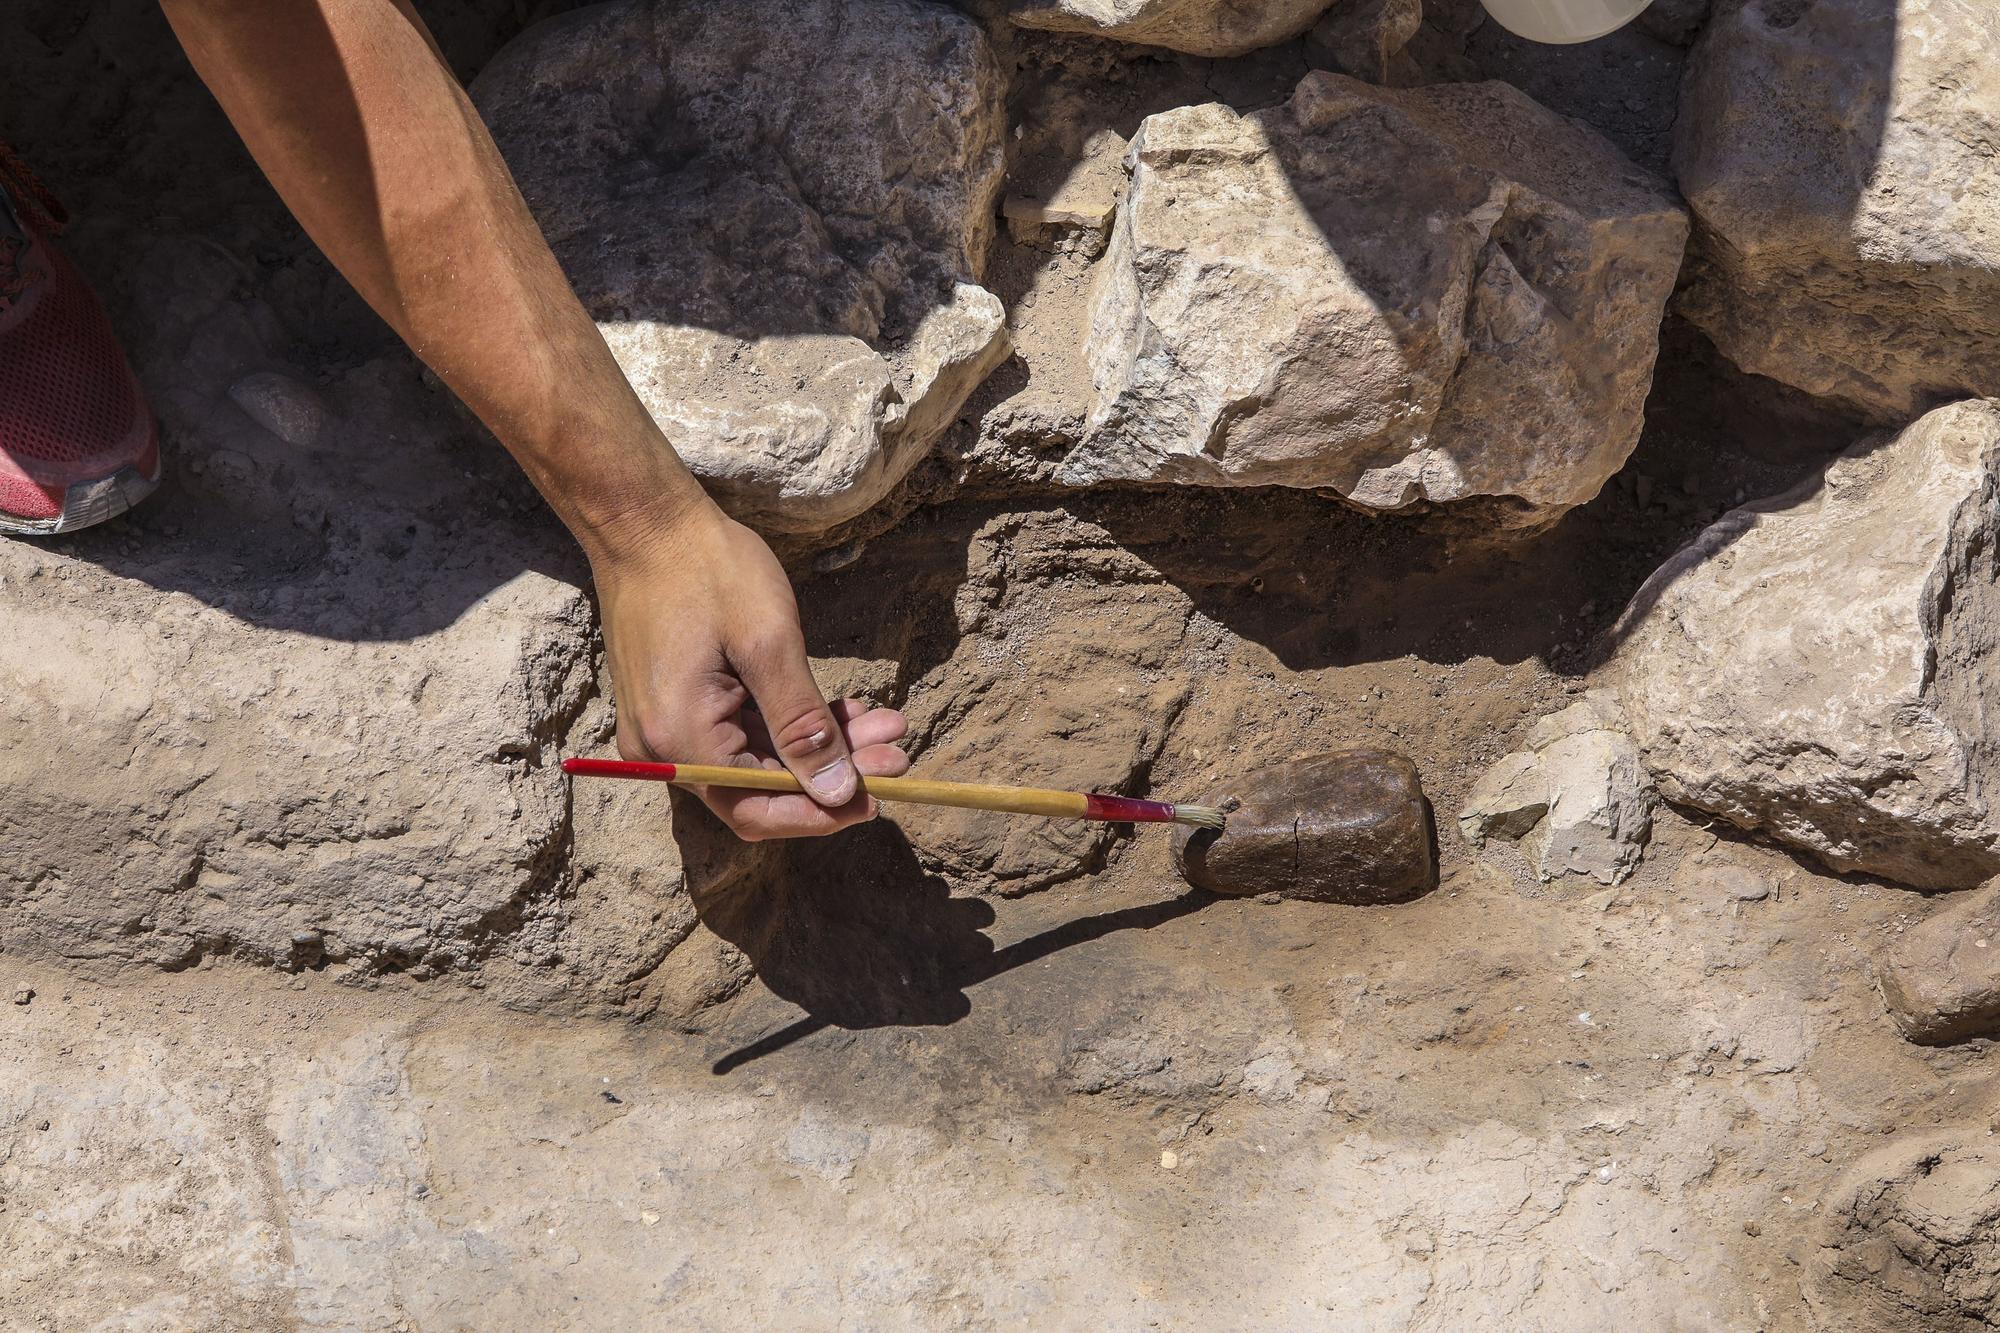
(918, 791)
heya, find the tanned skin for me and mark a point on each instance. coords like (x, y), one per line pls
(364, 130)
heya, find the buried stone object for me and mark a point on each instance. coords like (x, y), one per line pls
(1348, 827)
(1941, 979)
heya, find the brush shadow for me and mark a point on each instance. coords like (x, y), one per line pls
(855, 932)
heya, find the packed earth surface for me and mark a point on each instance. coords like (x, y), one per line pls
(1146, 396)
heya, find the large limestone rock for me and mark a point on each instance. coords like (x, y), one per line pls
(301, 710)
(1838, 158)
(1820, 665)
(777, 213)
(1201, 27)
(1431, 294)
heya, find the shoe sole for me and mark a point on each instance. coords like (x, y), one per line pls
(87, 503)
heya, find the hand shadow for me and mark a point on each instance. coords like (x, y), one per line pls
(850, 928)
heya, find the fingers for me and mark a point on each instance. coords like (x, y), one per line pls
(759, 815)
(756, 816)
(863, 724)
(870, 726)
(804, 734)
(880, 761)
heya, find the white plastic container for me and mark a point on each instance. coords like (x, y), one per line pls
(1563, 22)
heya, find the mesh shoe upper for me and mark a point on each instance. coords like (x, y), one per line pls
(70, 409)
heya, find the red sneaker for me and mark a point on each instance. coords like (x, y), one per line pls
(77, 442)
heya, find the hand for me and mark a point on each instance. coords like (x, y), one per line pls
(709, 666)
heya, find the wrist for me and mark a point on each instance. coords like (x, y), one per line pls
(622, 494)
(638, 527)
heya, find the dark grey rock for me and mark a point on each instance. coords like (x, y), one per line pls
(1347, 827)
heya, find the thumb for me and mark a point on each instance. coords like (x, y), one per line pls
(807, 739)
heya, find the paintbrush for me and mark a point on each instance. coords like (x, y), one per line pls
(919, 791)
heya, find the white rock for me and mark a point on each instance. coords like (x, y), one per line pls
(1509, 801)
(1820, 665)
(1430, 294)
(294, 412)
(777, 211)
(1838, 156)
(1200, 27)
(1578, 799)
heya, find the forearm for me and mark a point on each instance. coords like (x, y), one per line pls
(370, 140)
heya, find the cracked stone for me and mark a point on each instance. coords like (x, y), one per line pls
(1348, 827)
(1064, 706)
(1911, 1238)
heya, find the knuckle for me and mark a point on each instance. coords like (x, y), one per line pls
(633, 745)
(805, 732)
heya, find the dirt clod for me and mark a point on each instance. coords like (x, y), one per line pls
(1941, 979)
(1912, 1239)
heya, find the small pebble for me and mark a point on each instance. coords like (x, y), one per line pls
(1168, 1159)
(23, 995)
(650, 1218)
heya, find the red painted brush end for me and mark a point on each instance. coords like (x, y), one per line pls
(1127, 810)
(617, 768)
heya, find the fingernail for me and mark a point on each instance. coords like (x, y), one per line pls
(835, 782)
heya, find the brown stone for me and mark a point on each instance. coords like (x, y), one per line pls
(1347, 827)
(1942, 977)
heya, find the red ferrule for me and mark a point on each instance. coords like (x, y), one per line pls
(1127, 810)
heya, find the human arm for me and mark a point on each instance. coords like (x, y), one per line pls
(368, 137)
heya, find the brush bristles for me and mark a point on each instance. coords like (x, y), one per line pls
(1200, 816)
